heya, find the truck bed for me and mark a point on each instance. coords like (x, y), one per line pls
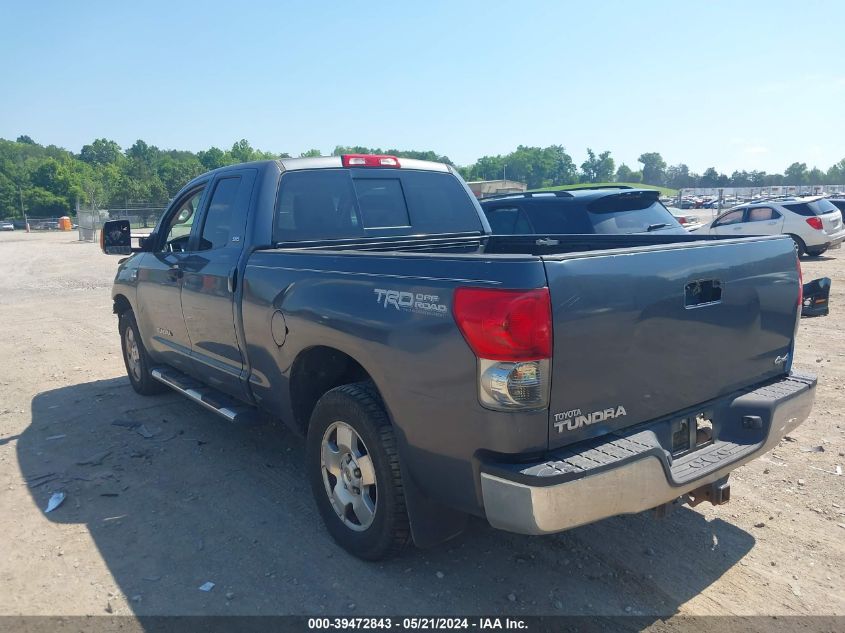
(634, 323)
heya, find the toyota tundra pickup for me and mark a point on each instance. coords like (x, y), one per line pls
(438, 371)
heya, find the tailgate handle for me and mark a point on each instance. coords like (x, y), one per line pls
(703, 292)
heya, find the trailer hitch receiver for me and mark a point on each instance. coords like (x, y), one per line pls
(717, 493)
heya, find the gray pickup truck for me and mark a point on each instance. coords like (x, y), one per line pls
(438, 371)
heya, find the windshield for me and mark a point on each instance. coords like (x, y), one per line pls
(630, 213)
(612, 214)
(654, 216)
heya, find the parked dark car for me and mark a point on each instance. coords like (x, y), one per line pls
(438, 371)
(603, 210)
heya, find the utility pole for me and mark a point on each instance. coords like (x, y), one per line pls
(23, 213)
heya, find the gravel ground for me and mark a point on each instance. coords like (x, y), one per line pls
(147, 520)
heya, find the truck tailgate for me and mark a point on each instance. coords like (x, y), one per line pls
(645, 332)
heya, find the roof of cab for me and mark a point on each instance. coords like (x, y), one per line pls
(319, 162)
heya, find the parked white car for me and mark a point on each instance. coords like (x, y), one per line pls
(814, 223)
(688, 221)
(6, 226)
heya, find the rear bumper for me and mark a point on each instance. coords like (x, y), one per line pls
(827, 240)
(633, 472)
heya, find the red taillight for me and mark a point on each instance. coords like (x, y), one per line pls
(682, 220)
(505, 324)
(816, 223)
(369, 160)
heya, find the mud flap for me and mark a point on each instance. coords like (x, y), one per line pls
(816, 295)
(432, 523)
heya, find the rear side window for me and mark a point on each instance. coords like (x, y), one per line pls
(839, 204)
(341, 203)
(762, 214)
(508, 221)
(809, 209)
(217, 229)
(566, 218)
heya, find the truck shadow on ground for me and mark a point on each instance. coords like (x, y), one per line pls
(175, 497)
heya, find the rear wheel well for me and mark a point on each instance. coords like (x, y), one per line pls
(121, 305)
(316, 371)
(800, 245)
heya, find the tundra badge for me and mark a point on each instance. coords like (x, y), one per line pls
(573, 420)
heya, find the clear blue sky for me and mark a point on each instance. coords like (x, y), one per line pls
(734, 85)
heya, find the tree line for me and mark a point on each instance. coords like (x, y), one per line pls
(48, 180)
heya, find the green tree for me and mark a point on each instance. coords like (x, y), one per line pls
(101, 152)
(710, 178)
(598, 168)
(654, 168)
(242, 151)
(796, 174)
(757, 178)
(816, 176)
(679, 177)
(623, 173)
(214, 157)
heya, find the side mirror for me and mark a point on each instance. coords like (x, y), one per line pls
(816, 294)
(116, 238)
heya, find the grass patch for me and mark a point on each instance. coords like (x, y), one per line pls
(664, 191)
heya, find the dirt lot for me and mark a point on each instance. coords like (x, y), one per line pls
(147, 520)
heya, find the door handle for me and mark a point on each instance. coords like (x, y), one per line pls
(175, 272)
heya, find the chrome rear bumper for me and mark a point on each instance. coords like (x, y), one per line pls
(647, 477)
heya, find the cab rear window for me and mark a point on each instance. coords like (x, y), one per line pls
(326, 204)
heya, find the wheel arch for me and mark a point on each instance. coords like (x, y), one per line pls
(315, 371)
(799, 241)
(318, 369)
(121, 304)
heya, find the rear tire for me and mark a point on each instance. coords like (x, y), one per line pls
(353, 467)
(815, 252)
(800, 247)
(135, 357)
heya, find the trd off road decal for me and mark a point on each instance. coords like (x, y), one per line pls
(411, 301)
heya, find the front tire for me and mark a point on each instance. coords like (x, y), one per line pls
(353, 467)
(135, 357)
